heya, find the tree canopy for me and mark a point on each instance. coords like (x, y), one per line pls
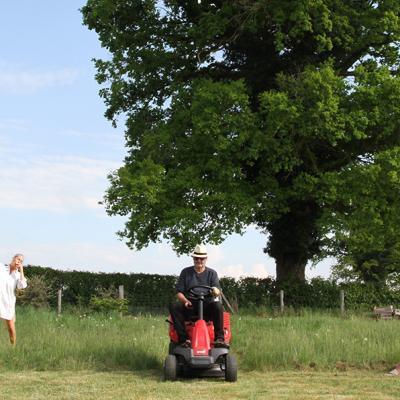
(365, 228)
(249, 112)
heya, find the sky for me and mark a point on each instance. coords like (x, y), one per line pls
(57, 148)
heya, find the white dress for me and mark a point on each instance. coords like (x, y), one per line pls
(8, 284)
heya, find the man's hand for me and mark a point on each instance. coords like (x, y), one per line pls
(181, 297)
(188, 304)
(215, 291)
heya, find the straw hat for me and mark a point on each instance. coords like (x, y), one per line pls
(200, 251)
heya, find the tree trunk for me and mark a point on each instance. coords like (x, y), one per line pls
(294, 240)
(289, 268)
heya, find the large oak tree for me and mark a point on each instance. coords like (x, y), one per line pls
(245, 112)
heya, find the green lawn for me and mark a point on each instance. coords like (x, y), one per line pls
(88, 385)
(99, 342)
(95, 356)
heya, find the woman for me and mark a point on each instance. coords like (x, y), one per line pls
(11, 278)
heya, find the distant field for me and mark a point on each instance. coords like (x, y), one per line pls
(311, 342)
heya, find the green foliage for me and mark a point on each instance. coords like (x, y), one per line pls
(37, 294)
(107, 301)
(155, 292)
(108, 305)
(78, 287)
(253, 113)
(366, 240)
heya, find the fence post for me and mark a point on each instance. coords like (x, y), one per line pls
(342, 301)
(282, 304)
(121, 295)
(59, 296)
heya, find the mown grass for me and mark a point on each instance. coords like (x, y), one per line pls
(95, 342)
(148, 385)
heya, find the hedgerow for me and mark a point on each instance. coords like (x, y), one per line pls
(157, 291)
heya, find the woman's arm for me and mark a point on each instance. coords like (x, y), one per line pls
(21, 281)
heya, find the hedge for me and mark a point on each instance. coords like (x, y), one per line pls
(157, 291)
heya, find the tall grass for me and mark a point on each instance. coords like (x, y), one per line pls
(316, 340)
(85, 341)
(106, 342)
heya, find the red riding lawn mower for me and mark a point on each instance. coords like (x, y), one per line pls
(201, 358)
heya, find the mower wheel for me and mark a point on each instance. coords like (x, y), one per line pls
(170, 368)
(230, 368)
(172, 346)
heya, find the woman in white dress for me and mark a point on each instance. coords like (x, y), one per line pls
(11, 278)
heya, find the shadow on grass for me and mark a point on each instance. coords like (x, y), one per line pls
(123, 358)
(147, 366)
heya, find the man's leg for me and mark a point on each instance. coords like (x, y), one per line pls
(214, 311)
(178, 314)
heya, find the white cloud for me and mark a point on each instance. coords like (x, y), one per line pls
(215, 254)
(260, 271)
(238, 270)
(233, 271)
(113, 139)
(54, 183)
(31, 81)
(117, 257)
(89, 256)
(90, 135)
(12, 124)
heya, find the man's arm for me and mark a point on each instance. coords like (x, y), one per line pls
(180, 289)
(216, 287)
(181, 297)
(215, 280)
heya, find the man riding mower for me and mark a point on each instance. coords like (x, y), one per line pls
(199, 329)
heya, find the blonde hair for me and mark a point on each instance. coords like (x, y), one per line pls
(12, 263)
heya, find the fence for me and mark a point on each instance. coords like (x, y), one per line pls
(226, 302)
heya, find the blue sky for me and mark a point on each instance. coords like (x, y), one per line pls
(56, 149)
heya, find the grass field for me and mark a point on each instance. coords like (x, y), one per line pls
(85, 356)
(92, 385)
(101, 342)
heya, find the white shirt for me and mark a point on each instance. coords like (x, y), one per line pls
(8, 284)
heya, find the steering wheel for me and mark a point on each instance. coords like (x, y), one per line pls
(199, 291)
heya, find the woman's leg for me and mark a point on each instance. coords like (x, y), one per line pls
(11, 331)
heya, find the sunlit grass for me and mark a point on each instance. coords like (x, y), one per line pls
(149, 385)
(99, 342)
(85, 341)
(316, 341)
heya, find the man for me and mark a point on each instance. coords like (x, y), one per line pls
(196, 275)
